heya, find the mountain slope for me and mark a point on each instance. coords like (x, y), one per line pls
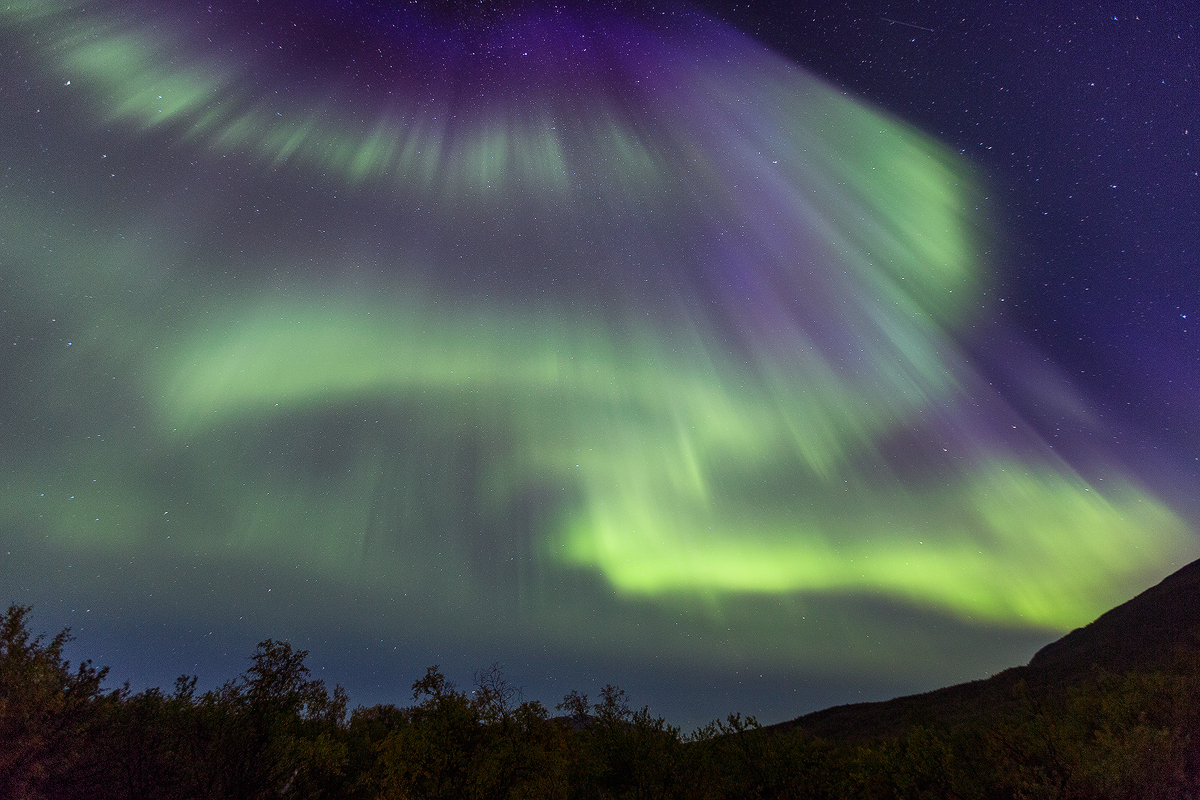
(1142, 633)
(1145, 633)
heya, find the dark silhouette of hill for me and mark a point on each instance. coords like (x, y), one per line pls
(1140, 634)
(1145, 633)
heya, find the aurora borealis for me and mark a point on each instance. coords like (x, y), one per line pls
(560, 338)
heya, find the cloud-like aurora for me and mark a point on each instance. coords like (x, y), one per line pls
(639, 295)
(688, 475)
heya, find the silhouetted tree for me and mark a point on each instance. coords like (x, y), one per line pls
(479, 745)
(47, 713)
(276, 732)
(614, 751)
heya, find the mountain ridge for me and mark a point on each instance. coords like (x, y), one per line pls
(1144, 633)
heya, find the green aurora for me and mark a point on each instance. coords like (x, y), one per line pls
(716, 362)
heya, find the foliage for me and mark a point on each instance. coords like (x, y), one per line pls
(455, 745)
(276, 732)
(48, 713)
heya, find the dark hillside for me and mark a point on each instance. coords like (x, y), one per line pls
(1145, 633)
(1141, 634)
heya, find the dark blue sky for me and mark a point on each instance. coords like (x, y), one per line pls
(1084, 119)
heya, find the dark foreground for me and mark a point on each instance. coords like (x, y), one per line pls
(1110, 711)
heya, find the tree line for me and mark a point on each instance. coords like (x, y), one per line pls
(276, 732)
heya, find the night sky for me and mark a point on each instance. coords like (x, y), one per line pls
(753, 357)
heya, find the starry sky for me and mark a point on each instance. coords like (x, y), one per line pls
(754, 357)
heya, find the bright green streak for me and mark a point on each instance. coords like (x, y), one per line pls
(660, 445)
(1009, 545)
